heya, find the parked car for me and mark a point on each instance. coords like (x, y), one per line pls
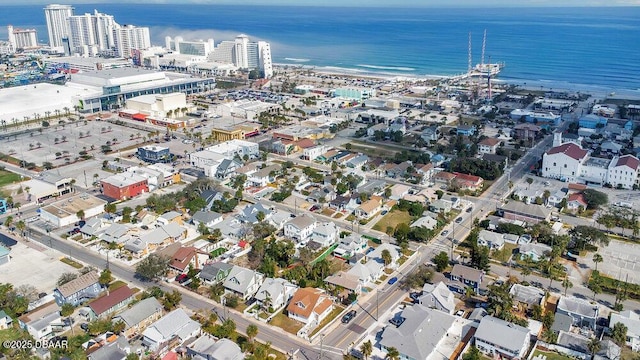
(445, 233)
(459, 313)
(349, 316)
(415, 296)
(384, 212)
(470, 209)
(182, 278)
(84, 326)
(392, 281)
(458, 220)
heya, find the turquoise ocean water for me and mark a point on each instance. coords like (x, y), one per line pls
(595, 48)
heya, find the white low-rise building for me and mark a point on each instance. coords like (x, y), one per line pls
(234, 148)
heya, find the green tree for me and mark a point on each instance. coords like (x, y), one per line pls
(566, 284)
(594, 198)
(582, 235)
(472, 354)
(66, 309)
(402, 232)
(366, 349)
(100, 326)
(252, 331)
(619, 333)
(66, 277)
(441, 260)
(479, 257)
(594, 346)
(392, 354)
(597, 258)
(105, 277)
(110, 208)
(386, 257)
(231, 301)
(152, 267)
(21, 226)
(171, 300)
(526, 271)
(119, 326)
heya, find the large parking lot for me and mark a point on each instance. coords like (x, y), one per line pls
(38, 147)
(621, 261)
(34, 265)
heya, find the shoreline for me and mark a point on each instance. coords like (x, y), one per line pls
(533, 85)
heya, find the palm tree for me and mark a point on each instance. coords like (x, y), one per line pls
(526, 271)
(252, 332)
(386, 257)
(597, 258)
(594, 346)
(366, 349)
(392, 354)
(21, 226)
(566, 284)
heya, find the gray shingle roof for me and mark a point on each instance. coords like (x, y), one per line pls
(419, 334)
(501, 333)
(139, 312)
(577, 306)
(78, 284)
(205, 216)
(210, 271)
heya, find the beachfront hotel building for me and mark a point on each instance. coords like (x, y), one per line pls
(245, 54)
(56, 16)
(22, 38)
(180, 46)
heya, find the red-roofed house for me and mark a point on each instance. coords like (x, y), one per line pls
(444, 177)
(575, 201)
(111, 302)
(563, 162)
(186, 256)
(623, 172)
(468, 182)
(309, 306)
(488, 146)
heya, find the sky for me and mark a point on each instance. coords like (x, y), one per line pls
(356, 3)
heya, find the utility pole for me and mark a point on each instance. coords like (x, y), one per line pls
(377, 303)
(321, 346)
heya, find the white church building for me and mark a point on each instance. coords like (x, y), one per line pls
(567, 161)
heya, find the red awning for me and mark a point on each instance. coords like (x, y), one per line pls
(141, 117)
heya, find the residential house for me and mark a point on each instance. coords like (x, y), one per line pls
(110, 302)
(162, 236)
(325, 234)
(610, 147)
(208, 348)
(174, 328)
(631, 320)
(358, 162)
(441, 206)
(350, 245)
(309, 306)
(215, 272)
(425, 222)
(243, 282)
(422, 334)
(463, 277)
(209, 196)
(279, 218)
(397, 170)
(501, 161)
(576, 201)
(556, 198)
(42, 322)
(344, 280)
(431, 133)
(398, 191)
(227, 168)
(108, 347)
(438, 297)
(584, 313)
(466, 130)
(488, 145)
(5, 320)
(535, 251)
(263, 176)
(275, 293)
(526, 131)
(300, 228)
(367, 273)
(379, 127)
(496, 337)
(369, 208)
(95, 226)
(427, 171)
(208, 218)
(250, 213)
(527, 296)
(444, 177)
(170, 217)
(315, 152)
(81, 289)
(467, 182)
(393, 250)
(186, 257)
(493, 240)
(139, 316)
(344, 203)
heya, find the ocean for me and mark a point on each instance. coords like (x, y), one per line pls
(580, 48)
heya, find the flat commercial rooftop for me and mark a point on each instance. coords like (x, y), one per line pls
(20, 101)
(72, 205)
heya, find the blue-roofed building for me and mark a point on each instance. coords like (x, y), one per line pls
(628, 125)
(3, 206)
(154, 154)
(467, 130)
(592, 121)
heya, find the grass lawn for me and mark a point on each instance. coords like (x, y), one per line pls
(285, 323)
(551, 355)
(71, 263)
(327, 212)
(7, 178)
(116, 285)
(504, 254)
(392, 219)
(332, 315)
